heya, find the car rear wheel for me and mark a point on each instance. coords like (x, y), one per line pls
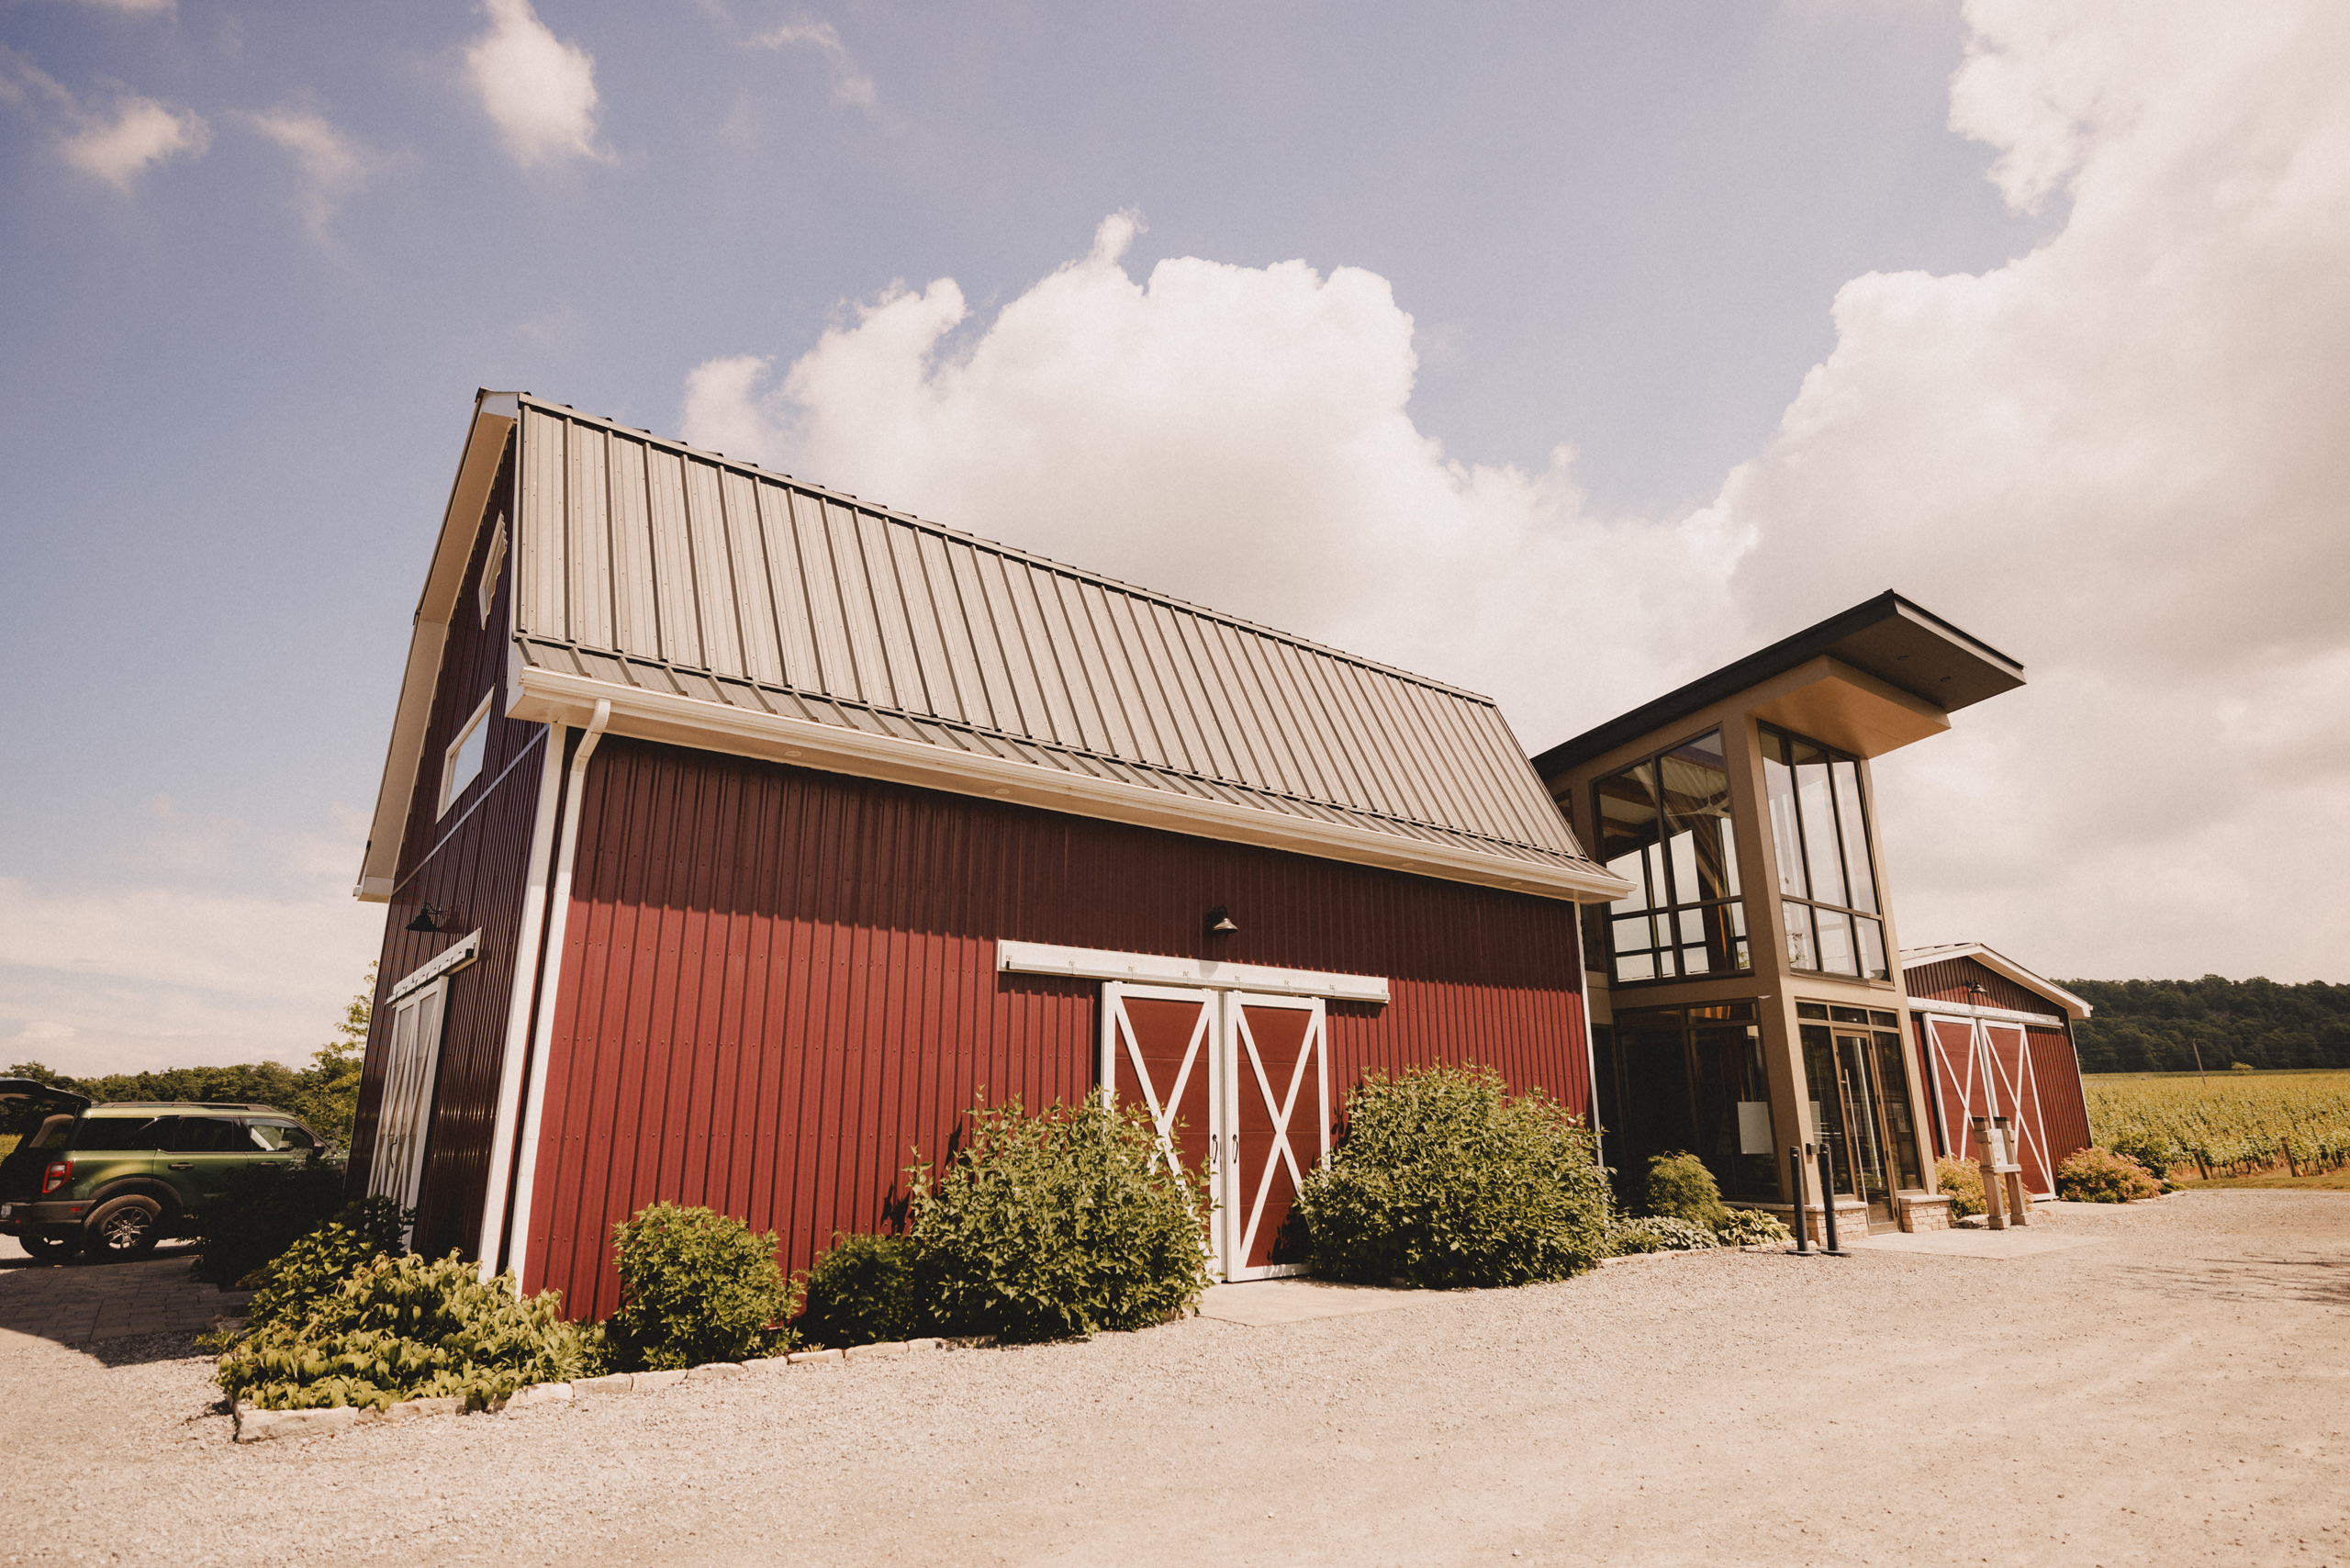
(126, 1228)
(47, 1246)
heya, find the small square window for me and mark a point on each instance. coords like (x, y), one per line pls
(462, 761)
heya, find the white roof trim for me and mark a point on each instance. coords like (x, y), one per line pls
(1999, 963)
(1156, 968)
(1990, 1015)
(546, 696)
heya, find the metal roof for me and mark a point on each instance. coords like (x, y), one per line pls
(1899, 642)
(644, 567)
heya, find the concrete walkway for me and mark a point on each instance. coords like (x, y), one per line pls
(1269, 1304)
(74, 1303)
(2028, 1241)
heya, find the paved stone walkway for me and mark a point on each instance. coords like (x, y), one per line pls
(74, 1303)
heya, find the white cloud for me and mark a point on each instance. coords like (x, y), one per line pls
(135, 7)
(850, 84)
(2118, 457)
(537, 89)
(332, 166)
(1236, 435)
(116, 145)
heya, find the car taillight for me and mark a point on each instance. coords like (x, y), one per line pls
(60, 1172)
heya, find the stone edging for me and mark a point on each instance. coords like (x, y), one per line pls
(255, 1425)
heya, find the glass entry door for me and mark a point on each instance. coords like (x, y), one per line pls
(1861, 1105)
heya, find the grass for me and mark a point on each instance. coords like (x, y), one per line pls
(2273, 1127)
(2325, 1182)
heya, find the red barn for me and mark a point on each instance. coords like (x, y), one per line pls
(1998, 1041)
(738, 836)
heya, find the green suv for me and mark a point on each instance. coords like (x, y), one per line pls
(115, 1178)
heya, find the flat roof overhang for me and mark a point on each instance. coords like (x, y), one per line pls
(1881, 675)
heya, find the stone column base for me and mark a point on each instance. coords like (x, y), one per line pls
(1851, 1219)
(1922, 1211)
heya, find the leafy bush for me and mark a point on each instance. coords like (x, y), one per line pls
(1445, 1180)
(1961, 1181)
(1679, 1187)
(696, 1286)
(403, 1328)
(862, 1293)
(2150, 1150)
(2101, 1176)
(1067, 1223)
(1752, 1227)
(1658, 1233)
(258, 1214)
(314, 1267)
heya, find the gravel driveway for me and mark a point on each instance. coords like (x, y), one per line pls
(2178, 1392)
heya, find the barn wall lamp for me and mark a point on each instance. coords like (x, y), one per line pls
(428, 919)
(1220, 922)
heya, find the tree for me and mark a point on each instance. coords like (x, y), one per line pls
(327, 1095)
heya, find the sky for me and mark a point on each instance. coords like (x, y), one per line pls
(1561, 350)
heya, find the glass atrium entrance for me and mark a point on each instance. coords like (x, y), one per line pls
(1675, 1078)
(1859, 1087)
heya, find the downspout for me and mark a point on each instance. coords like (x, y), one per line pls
(528, 959)
(550, 976)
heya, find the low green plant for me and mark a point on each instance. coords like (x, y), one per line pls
(313, 1268)
(407, 1327)
(1445, 1180)
(1752, 1227)
(260, 1212)
(696, 1286)
(1658, 1233)
(1679, 1187)
(862, 1293)
(2149, 1150)
(1961, 1181)
(2101, 1176)
(1061, 1225)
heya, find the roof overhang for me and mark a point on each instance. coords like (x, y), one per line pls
(494, 417)
(1912, 662)
(546, 696)
(1998, 964)
(1850, 710)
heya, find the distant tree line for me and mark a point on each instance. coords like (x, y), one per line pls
(325, 1094)
(2160, 1026)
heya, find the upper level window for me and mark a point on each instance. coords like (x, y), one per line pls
(462, 764)
(1664, 825)
(491, 565)
(1827, 878)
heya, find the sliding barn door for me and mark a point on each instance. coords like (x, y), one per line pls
(1277, 1126)
(404, 1110)
(1158, 1050)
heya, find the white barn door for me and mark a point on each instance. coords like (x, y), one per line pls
(404, 1113)
(1239, 1087)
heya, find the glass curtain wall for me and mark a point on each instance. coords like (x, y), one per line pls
(1691, 1079)
(1828, 888)
(1859, 1081)
(1664, 826)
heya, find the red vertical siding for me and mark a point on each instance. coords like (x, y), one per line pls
(2064, 1108)
(780, 985)
(1952, 979)
(471, 863)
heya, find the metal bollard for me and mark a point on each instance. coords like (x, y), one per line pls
(1803, 1227)
(1828, 1203)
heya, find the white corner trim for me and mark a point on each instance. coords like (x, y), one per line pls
(1996, 1015)
(455, 955)
(1158, 968)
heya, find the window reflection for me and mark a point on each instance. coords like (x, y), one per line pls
(1819, 831)
(1664, 826)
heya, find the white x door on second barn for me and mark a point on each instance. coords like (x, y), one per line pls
(1239, 1086)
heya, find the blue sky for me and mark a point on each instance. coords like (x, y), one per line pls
(1807, 324)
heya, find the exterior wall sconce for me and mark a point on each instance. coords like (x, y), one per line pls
(428, 919)
(1220, 922)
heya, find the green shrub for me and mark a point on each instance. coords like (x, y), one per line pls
(1679, 1187)
(314, 1267)
(258, 1214)
(1752, 1227)
(2150, 1150)
(1064, 1223)
(696, 1286)
(1961, 1181)
(1658, 1233)
(403, 1328)
(2101, 1176)
(862, 1293)
(1444, 1180)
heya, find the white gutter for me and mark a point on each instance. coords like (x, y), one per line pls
(550, 980)
(517, 1012)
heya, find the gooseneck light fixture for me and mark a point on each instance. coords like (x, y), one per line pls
(1220, 922)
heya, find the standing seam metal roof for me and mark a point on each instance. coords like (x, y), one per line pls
(644, 563)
